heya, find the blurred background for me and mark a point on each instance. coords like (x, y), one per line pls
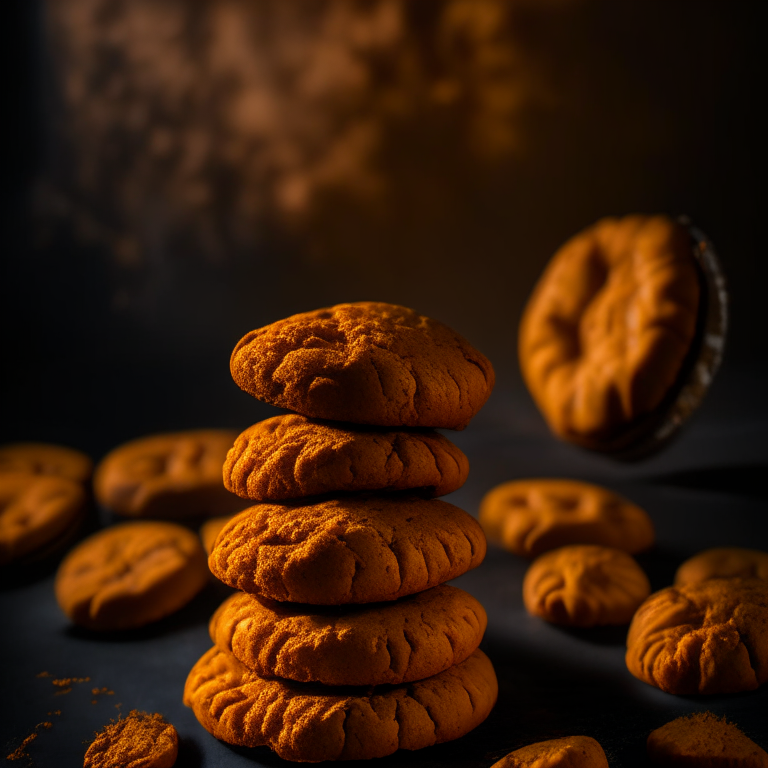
(181, 172)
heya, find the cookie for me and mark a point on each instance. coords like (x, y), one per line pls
(167, 476)
(130, 575)
(36, 511)
(585, 585)
(368, 363)
(723, 562)
(705, 741)
(46, 459)
(210, 529)
(568, 752)
(139, 740)
(290, 456)
(398, 642)
(352, 550)
(312, 723)
(530, 517)
(706, 637)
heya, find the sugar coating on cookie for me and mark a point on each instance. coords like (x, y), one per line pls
(706, 741)
(585, 585)
(368, 363)
(46, 459)
(401, 641)
(529, 517)
(723, 562)
(608, 327)
(130, 575)
(568, 752)
(171, 475)
(706, 637)
(291, 456)
(360, 549)
(313, 723)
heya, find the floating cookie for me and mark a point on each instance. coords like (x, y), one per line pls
(705, 741)
(530, 517)
(167, 476)
(723, 562)
(706, 637)
(409, 639)
(46, 459)
(350, 550)
(368, 363)
(291, 456)
(585, 585)
(130, 575)
(569, 752)
(313, 723)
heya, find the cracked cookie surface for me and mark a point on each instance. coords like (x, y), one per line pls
(367, 363)
(568, 752)
(313, 723)
(46, 459)
(361, 549)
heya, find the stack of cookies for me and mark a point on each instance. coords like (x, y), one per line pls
(345, 642)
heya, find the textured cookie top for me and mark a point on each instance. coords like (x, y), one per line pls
(290, 456)
(368, 363)
(585, 585)
(706, 637)
(568, 752)
(170, 475)
(350, 550)
(46, 459)
(608, 326)
(397, 642)
(723, 562)
(210, 530)
(313, 723)
(530, 517)
(130, 575)
(139, 740)
(706, 741)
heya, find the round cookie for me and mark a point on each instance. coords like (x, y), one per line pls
(398, 642)
(290, 456)
(368, 363)
(585, 585)
(529, 517)
(568, 752)
(171, 475)
(312, 723)
(706, 637)
(359, 549)
(35, 512)
(130, 575)
(723, 562)
(46, 459)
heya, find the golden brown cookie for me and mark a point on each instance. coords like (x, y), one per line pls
(397, 642)
(723, 562)
(311, 723)
(568, 752)
(210, 529)
(130, 575)
(139, 740)
(167, 476)
(607, 330)
(35, 512)
(706, 637)
(585, 585)
(360, 549)
(368, 363)
(705, 741)
(530, 517)
(46, 459)
(290, 456)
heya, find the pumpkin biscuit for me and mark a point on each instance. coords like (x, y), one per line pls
(398, 642)
(290, 456)
(529, 517)
(130, 575)
(167, 476)
(360, 549)
(705, 637)
(312, 723)
(568, 752)
(46, 459)
(585, 585)
(368, 363)
(723, 562)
